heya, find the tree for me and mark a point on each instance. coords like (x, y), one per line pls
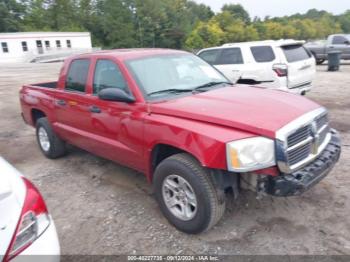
(344, 21)
(237, 11)
(36, 16)
(208, 34)
(116, 24)
(11, 13)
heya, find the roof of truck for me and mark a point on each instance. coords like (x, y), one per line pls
(133, 53)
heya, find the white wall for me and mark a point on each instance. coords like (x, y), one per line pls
(79, 41)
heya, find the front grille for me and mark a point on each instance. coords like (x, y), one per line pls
(298, 154)
(306, 141)
(322, 121)
(299, 136)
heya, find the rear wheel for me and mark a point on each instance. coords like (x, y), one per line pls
(50, 144)
(187, 195)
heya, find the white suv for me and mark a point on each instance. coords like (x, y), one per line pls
(284, 64)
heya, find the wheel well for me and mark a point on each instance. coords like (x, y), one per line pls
(161, 152)
(248, 82)
(36, 114)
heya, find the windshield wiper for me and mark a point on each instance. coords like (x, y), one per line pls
(210, 84)
(171, 90)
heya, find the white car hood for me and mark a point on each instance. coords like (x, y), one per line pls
(12, 195)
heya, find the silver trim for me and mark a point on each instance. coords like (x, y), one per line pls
(283, 134)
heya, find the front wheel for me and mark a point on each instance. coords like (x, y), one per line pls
(187, 195)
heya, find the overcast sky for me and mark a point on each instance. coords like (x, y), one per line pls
(263, 8)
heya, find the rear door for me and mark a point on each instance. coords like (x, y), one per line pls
(71, 105)
(301, 65)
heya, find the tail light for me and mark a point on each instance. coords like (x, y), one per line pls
(34, 220)
(280, 69)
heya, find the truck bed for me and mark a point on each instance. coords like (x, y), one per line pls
(47, 84)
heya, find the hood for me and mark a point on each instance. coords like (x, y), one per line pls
(254, 110)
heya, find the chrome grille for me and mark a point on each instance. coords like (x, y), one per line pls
(300, 145)
(322, 121)
(299, 135)
(298, 154)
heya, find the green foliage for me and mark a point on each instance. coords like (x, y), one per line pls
(10, 15)
(163, 23)
(237, 11)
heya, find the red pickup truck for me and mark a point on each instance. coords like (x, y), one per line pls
(175, 118)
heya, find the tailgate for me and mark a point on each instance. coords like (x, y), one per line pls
(301, 65)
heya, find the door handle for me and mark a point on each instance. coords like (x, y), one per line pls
(61, 102)
(95, 109)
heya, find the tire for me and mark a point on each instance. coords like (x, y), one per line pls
(209, 202)
(56, 147)
(319, 61)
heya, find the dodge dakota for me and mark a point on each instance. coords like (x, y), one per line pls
(175, 118)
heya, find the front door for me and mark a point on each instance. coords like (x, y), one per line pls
(116, 127)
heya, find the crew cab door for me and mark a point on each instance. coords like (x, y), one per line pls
(301, 65)
(115, 128)
(71, 106)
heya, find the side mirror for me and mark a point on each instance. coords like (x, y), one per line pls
(347, 42)
(115, 94)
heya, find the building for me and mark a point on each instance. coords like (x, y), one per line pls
(29, 46)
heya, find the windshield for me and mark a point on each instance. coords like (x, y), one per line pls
(173, 72)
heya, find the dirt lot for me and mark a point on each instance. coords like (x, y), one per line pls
(102, 208)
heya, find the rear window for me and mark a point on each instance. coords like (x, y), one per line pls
(210, 56)
(295, 53)
(77, 75)
(263, 54)
(230, 56)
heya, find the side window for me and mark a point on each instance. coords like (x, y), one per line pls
(47, 45)
(263, 54)
(58, 44)
(108, 75)
(230, 56)
(339, 40)
(210, 56)
(4, 47)
(24, 46)
(77, 75)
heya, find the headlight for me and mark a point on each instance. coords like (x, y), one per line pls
(250, 154)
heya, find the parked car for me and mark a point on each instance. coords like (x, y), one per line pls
(338, 42)
(173, 117)
(26, 227)
(285, 64)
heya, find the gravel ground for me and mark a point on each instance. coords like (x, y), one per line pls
(100, 207)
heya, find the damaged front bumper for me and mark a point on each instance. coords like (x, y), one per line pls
(300, 181)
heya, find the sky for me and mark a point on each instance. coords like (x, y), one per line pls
(262, 8)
